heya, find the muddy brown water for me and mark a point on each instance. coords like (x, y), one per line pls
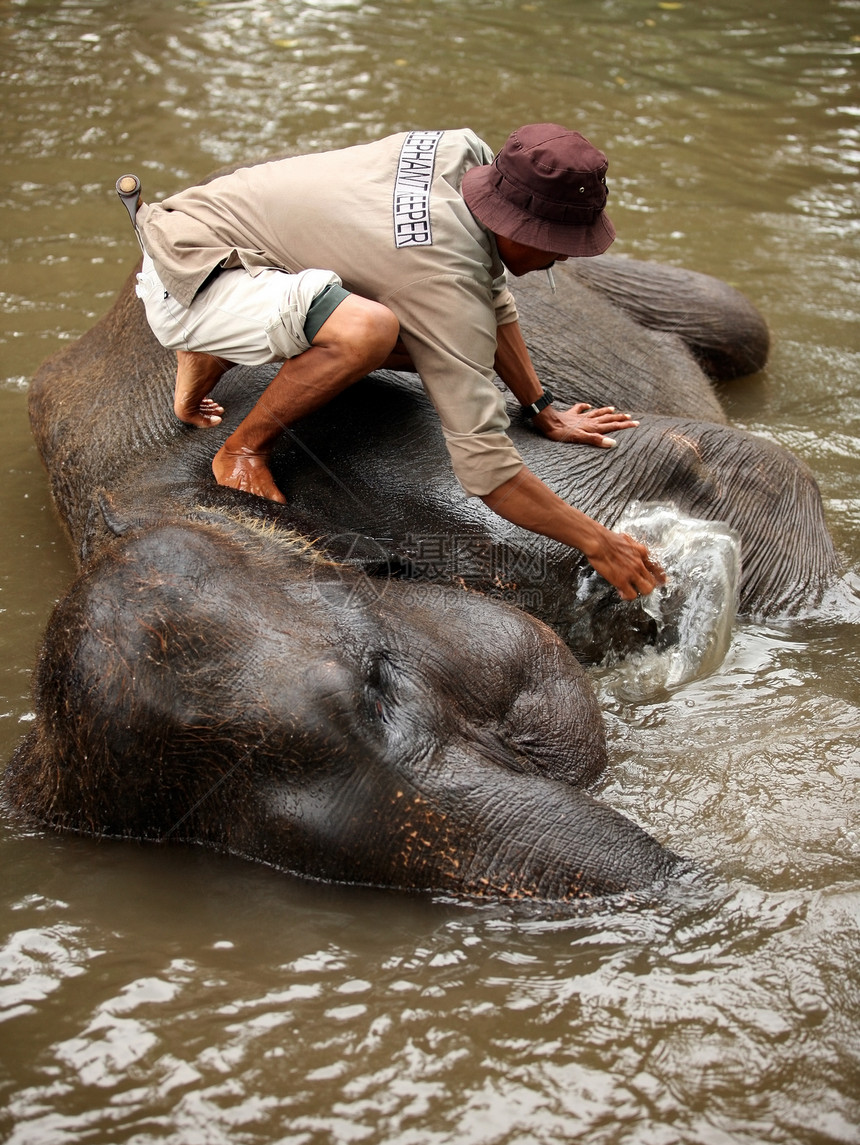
(173, 995)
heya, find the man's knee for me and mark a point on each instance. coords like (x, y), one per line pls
(383, 330)
(363, 326)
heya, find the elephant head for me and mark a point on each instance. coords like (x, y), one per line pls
(213, 680)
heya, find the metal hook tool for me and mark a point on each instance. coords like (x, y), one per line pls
(128, 189)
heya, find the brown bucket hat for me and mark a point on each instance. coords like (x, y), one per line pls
(546, 188)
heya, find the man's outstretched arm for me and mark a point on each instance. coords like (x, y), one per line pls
(524, 500)
(580, 423)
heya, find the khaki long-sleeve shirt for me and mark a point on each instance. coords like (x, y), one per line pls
(388, 218)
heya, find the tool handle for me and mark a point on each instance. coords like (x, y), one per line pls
(128, 189)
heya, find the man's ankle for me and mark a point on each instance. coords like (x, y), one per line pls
(244, 450)
(197, 358)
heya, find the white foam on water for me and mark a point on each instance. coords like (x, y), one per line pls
(694, 611)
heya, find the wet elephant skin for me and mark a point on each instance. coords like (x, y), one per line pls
(196, 683)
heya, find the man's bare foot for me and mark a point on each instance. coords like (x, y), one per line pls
(196, 375)
(243, 469)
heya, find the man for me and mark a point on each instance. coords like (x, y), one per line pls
(417, 230)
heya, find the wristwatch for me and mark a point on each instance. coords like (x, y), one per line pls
(542, 402)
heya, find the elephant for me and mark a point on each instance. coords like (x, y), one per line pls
(281, 683)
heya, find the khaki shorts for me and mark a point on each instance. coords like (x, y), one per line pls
(248, 319)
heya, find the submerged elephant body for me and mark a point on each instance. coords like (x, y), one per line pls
(211, 677)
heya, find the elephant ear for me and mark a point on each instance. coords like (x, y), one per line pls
(107, 512)
(372, 557)
(118, 523)
(375, 558)
(121, 520)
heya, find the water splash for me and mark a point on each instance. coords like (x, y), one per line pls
(693, 613)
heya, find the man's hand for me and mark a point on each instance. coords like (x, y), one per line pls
(627, 564)
(583, 425)
(580, 424)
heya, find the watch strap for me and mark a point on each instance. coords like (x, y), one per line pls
(542, 402)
